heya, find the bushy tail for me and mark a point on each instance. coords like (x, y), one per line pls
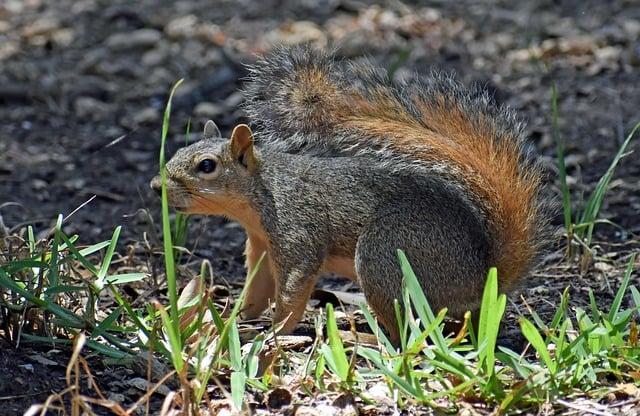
(295, 92)
(304, 100)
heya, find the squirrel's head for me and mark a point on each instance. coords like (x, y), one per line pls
(213, 175)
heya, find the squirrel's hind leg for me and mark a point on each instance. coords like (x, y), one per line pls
(262, 287)
(447, 257)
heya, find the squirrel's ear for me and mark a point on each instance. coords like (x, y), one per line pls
(211, 131)
(241, 143)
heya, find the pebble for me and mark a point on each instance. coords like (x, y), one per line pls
(155, 56)
(208, 110)
(631, 28)
(181, 27)
(192, 50)
(161, 76)
(234, 99)
(41, 27)
(295, 33)
(92, 59)
(4, 26)
(90, 108)
(8, 48)
(146, 115)
(75, 184)
(39, 184)
(138, 39)
(355, 43)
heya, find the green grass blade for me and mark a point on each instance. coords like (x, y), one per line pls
(53, 261)
(51, 290)
(118, 279)
(402, 384)
(174, 340)
(78, 255)
(617, 301)
(491, 311)
(93, 248)
(18, 265)
(375, 328)
(104, 326)
(32, 240)
(594, 202)
(102, 273)
(234, 346)
(635, 295)
(533, 336)
(131, 314)
(562, 309)
(423, 309)
(252, 361)
(238, 384)
(73, 320)
(338, 354)
(166, 226)
(562, 170)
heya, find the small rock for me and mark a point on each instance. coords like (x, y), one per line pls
(147, 115)
(143, 385)
(28, 367)
(16, 6)
(39, 184)
(92, 59)
(379, 392)
(295, 33)
(117, 397)
(234, 99)
(355, 43)
(161, 76)
(41, 27)
(75, 184)
(181, 27)
(8, 48)
(306, 411)
(192, 50)
(63, 37)
(155, 56)
(208, 110)
(631, 28)
(138, 39)
(602, 267)
(4, 26)
(90, 108)
(209, 32)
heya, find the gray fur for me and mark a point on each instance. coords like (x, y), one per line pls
(313, 208)
(322, 190)
(285, 126)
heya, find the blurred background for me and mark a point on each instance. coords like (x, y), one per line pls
(83, 84)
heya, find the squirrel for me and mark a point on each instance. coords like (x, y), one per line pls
(347, 166)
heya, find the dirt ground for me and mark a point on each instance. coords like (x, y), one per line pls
(83, 85)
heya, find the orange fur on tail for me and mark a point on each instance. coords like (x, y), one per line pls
(491, 169)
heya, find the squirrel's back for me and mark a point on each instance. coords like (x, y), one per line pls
(304, 100)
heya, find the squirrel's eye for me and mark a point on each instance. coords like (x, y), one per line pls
(207, 166)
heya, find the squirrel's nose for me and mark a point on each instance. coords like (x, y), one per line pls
(156, 184)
